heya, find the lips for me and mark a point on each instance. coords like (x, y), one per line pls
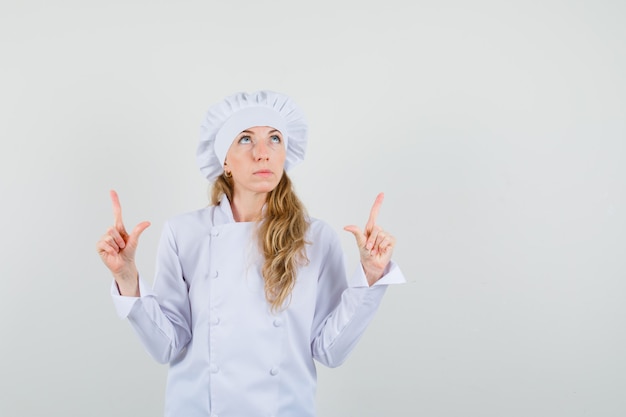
(263, 172)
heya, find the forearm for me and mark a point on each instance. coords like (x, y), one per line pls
(163, 337)
(347, 323)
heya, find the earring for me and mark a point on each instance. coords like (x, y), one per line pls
(228, 174)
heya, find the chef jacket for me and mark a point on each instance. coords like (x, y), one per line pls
(206, 315)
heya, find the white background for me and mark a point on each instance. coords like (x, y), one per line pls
(496, 129)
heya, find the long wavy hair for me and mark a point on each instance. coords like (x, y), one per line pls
(281, 236)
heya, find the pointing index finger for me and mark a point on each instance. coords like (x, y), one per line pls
(117, 211)
(371, 222)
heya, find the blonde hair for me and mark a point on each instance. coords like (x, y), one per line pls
(281, 236)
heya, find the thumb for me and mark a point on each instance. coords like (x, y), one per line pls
(133, 238)
(358, 235)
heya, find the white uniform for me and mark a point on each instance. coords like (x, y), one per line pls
(207, 316)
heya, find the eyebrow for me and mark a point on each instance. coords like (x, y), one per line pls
(271, 131)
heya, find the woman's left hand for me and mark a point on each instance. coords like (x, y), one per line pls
(375, 244)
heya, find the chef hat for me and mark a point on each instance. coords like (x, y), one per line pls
(240, 111)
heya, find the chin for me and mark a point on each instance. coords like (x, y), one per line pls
(265, 187)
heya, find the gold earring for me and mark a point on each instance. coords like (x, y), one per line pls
(228, 174)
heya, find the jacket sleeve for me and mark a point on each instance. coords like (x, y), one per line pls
(162, 324)
(344, 308)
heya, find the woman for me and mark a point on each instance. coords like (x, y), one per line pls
(250, 290)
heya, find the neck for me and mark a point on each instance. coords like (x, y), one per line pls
(248, 207)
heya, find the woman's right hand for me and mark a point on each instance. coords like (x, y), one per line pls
(117, 250)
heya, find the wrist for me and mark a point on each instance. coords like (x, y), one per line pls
(127, 283)
(373, 276)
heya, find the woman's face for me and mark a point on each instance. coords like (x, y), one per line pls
(256, 159)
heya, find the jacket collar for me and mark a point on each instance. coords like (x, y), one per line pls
(223, 213)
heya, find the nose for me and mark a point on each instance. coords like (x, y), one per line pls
(260, 151)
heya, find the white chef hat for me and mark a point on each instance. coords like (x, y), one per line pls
(240, 111)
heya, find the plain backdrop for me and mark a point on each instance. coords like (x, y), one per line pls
(496, 129)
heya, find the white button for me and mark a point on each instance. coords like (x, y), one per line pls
(274, 371)
(278, 322)
(215, 274)
(214, 369)
(215, 232)
(215, 321)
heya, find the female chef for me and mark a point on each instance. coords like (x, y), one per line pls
(250, 290)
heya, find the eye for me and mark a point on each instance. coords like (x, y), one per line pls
(275, 139)
(244, 139)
